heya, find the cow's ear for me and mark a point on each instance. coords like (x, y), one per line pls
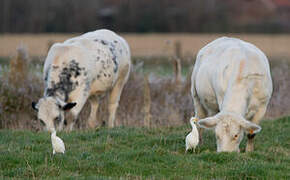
(34, 106)
(68, 106)
(209, 122)
(250, 128)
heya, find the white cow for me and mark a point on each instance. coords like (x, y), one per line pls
(82, 68)
(231, 88)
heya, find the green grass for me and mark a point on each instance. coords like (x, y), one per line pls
(134, 153)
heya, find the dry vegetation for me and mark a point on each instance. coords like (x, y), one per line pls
(147, 100)
(149, 44)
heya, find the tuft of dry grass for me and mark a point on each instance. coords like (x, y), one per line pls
(18, 66)
(15, 102)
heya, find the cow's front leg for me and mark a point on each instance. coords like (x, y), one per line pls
(74, 113)
(250, 143)
(256, 119)
(70, 121)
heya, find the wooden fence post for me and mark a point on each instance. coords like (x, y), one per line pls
(147, 103)
(177, 62)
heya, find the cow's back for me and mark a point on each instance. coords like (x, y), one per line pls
(225, 62)
(108, 39)
(98, 57)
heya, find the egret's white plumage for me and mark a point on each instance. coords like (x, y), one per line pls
(192, 139)
(57, 144)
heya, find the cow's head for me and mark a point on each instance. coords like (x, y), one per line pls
(50, 112)
(229, 130)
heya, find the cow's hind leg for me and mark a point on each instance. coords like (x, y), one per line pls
(256, 119)
(92, 121)
(115, 96)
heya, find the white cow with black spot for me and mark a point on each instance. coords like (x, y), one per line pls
(82, 68)
(231, 88)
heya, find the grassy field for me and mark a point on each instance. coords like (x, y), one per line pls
(137, 153)
(148, 44)
(130, 151)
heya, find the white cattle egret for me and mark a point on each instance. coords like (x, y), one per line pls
(57, 144)
(192, 139)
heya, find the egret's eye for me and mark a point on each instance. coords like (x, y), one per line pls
(235, 136)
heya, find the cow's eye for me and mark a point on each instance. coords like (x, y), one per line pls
(218, 137)
(57, 119)
(42, 122)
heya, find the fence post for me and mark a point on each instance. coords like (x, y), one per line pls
(147, 102)
(177, 62)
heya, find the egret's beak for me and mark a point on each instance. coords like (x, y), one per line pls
(195, 119)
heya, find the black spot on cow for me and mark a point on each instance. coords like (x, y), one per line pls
(104, 42)
(87, 87)
(109, 75)
(115, 41)
(49, 91)
(105, 74)
(74, 68)
(98, 76)
(65, 85)
(116, 64)
(114, 58)
(96, 40)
